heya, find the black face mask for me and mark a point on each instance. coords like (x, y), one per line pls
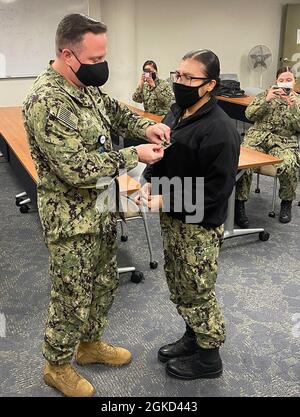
(92, 74)
(186, 96)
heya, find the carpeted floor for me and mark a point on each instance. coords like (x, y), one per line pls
(258, 289)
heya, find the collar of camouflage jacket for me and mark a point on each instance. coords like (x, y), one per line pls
(78, 94)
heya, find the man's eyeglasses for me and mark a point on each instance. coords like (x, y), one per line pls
(184, 79)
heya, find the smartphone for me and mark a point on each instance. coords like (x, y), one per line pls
(286, 90)
(275, 87)
(147, 74)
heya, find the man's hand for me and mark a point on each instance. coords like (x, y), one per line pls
(158, 133)
(149, 154)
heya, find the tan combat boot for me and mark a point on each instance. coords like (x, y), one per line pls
(65, 379)
(101, 352)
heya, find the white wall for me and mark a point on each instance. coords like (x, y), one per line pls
(13, 91)
(120, 17)
(169, 28)
(164, 30)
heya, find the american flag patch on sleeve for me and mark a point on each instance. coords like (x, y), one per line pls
(67, 117)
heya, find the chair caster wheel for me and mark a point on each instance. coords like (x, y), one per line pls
(124, 238)
(153, 265)
(18, 201)
(264, 236)
(24, 209)
(137, 277)
(272, 214)
(257, 190)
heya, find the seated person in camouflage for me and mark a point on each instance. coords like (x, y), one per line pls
(276, 117)
(69, 121)
(156, 94)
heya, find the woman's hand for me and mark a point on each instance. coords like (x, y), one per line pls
(142, 81)
(150, 81)
(274, 92)
(291, 99)
(155, 202)
(143, 194)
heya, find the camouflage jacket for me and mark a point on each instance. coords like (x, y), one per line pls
(69, 132)
(156, 100)
(274, 120)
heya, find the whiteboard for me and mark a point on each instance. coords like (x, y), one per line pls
(27, 33)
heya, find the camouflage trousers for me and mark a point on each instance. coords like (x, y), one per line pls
(84, 281)
(191, 265)
(287, 171)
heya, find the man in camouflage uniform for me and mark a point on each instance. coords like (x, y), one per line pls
(154, 93)
(277, 121)
(68, 120)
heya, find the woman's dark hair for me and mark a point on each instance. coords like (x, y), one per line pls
(73, 27)
(149, 62)
(285, 69)
(211, 64)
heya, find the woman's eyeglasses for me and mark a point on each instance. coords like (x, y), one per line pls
(184, 79)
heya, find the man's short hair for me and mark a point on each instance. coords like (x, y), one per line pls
(72, 27)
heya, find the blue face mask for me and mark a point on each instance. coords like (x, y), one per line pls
(92, 74)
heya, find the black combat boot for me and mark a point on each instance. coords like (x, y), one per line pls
(187, 345)
(240, 216)
(206, 363)
(285, 215)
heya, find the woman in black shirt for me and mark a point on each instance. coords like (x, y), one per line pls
(201, 165)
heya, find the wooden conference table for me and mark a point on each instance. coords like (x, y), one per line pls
(15, 148)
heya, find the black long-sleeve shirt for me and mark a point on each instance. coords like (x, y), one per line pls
(205, 145)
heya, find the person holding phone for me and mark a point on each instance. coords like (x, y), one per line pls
(276, 117)
(154, 93)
